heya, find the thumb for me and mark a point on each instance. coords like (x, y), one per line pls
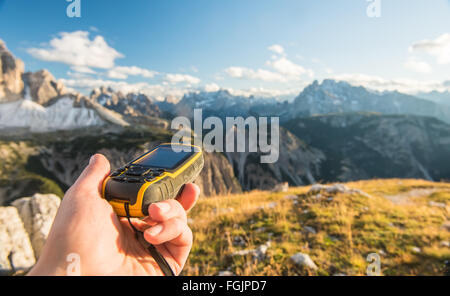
(94, 174)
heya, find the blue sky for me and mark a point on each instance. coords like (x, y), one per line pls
(250, 47)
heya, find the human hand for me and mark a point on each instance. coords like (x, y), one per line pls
(87, 226)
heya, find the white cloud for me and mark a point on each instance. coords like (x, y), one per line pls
(438, 48)
(288, 68)
(76, 49)
(265, 93)
(211, 87)
(124, 72)
(180, 78)
(83, 69)
(283, 69)
(276, 48)
(157, 91)
(404, 85)
(418, 66)
(259, 74)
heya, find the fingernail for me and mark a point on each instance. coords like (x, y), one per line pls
(155, 230)
(163, 207)
(92, 159)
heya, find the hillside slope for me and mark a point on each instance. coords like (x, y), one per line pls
(51, 162)
(406, 222)
(368, 145)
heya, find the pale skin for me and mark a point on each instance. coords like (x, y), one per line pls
(105, 243)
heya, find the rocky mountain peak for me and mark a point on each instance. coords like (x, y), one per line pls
(2, 45)
(11, 70)
(41, 86)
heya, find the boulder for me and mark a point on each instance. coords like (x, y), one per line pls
(281, 187)
(16, 252)
(303, 260)
(310, 229)
(37, 213)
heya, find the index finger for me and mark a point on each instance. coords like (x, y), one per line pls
(189, 196)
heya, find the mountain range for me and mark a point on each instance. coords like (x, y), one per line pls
(331, 131)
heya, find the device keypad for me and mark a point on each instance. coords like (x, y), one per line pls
(136, 174)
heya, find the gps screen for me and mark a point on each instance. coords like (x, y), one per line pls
(164, 157)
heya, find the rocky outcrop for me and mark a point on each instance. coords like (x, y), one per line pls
(303, 260)
(316, 189)
(217, 176)
(257, 254)
(41, 86)
(64, 159)
(11, 70)
(135, 107)
(24, 228)
(16, 252)
(37, 214)
(298, 164)
(367, 145)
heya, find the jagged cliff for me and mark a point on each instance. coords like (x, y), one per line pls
(366, 145)
(51, 162)
(11, 70)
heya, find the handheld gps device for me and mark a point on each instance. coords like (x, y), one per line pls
(155, 176)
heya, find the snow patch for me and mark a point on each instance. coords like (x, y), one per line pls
(60, 116)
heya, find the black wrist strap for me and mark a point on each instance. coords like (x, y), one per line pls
(160, 260)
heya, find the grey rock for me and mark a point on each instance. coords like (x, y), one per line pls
(11, 70)
(37, 213)
(41, 86)
(291, 197)
(281, 187)
(16, 252)
(310, 229)
(416, 250)
(437, 204)
(333, 238)
(316, 189)
(258, 254)
(303, 260)
(239, 241)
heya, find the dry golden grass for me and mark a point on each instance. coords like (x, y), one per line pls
(396, 218)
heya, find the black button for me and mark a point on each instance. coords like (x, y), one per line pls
(117, 172)
(119, 178)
